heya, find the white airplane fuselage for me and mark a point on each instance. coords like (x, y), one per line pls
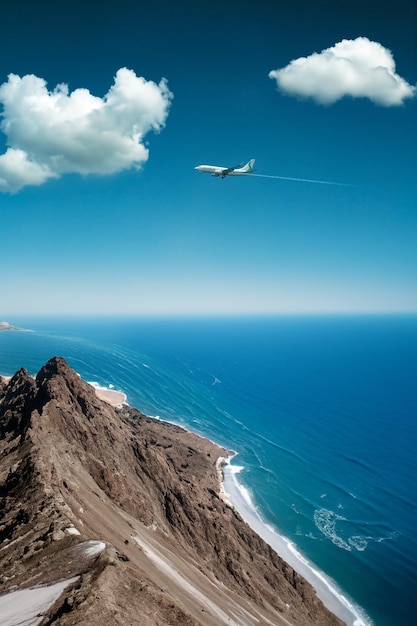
(216, 170)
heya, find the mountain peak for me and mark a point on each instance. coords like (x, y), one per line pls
(77, 474)
(56, 365)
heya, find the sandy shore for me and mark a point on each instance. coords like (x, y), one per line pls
(115, 398)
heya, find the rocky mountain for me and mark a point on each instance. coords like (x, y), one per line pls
(125, 512)
(7, 326)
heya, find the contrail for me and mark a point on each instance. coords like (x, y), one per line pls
(303, 180)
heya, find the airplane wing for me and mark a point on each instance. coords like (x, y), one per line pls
(227, 170)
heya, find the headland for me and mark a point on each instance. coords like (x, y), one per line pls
(127, 511)
(5, 326)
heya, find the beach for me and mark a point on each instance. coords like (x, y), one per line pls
(326, 590)
(238, 497)
(113, 397)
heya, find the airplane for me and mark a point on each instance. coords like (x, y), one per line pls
(237, 170)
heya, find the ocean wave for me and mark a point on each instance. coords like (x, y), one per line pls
(241, 497)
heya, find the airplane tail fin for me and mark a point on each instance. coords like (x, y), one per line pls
(249, 166)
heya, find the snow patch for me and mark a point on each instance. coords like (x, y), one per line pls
(91, 548)
(27, 607)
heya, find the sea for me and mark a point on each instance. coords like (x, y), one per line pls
(319, 414)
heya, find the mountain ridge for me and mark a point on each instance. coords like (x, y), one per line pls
(129, 509)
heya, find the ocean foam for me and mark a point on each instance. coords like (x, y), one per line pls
(360, 543)
(335, 600)
(326, 521)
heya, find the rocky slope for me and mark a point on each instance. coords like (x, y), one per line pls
(127, 509)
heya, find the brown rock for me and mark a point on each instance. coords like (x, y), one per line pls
(175, 552)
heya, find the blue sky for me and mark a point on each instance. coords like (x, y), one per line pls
(102, 210)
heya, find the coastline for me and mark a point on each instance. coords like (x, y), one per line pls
(238, 497)
(146, 493)
(332, 597)
(113, 397)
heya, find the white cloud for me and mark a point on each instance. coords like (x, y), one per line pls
(50, 133)
(359, 68)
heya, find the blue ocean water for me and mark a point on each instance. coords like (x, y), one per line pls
(321, 411)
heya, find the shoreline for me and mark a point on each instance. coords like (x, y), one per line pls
(326, 589)
(111, 396)
(237, 496)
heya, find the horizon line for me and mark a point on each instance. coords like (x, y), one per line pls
(219, 314)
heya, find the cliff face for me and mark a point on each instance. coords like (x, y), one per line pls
(128, 509)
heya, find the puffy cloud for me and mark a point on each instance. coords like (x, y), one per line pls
(50, 133)
(359, 68)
